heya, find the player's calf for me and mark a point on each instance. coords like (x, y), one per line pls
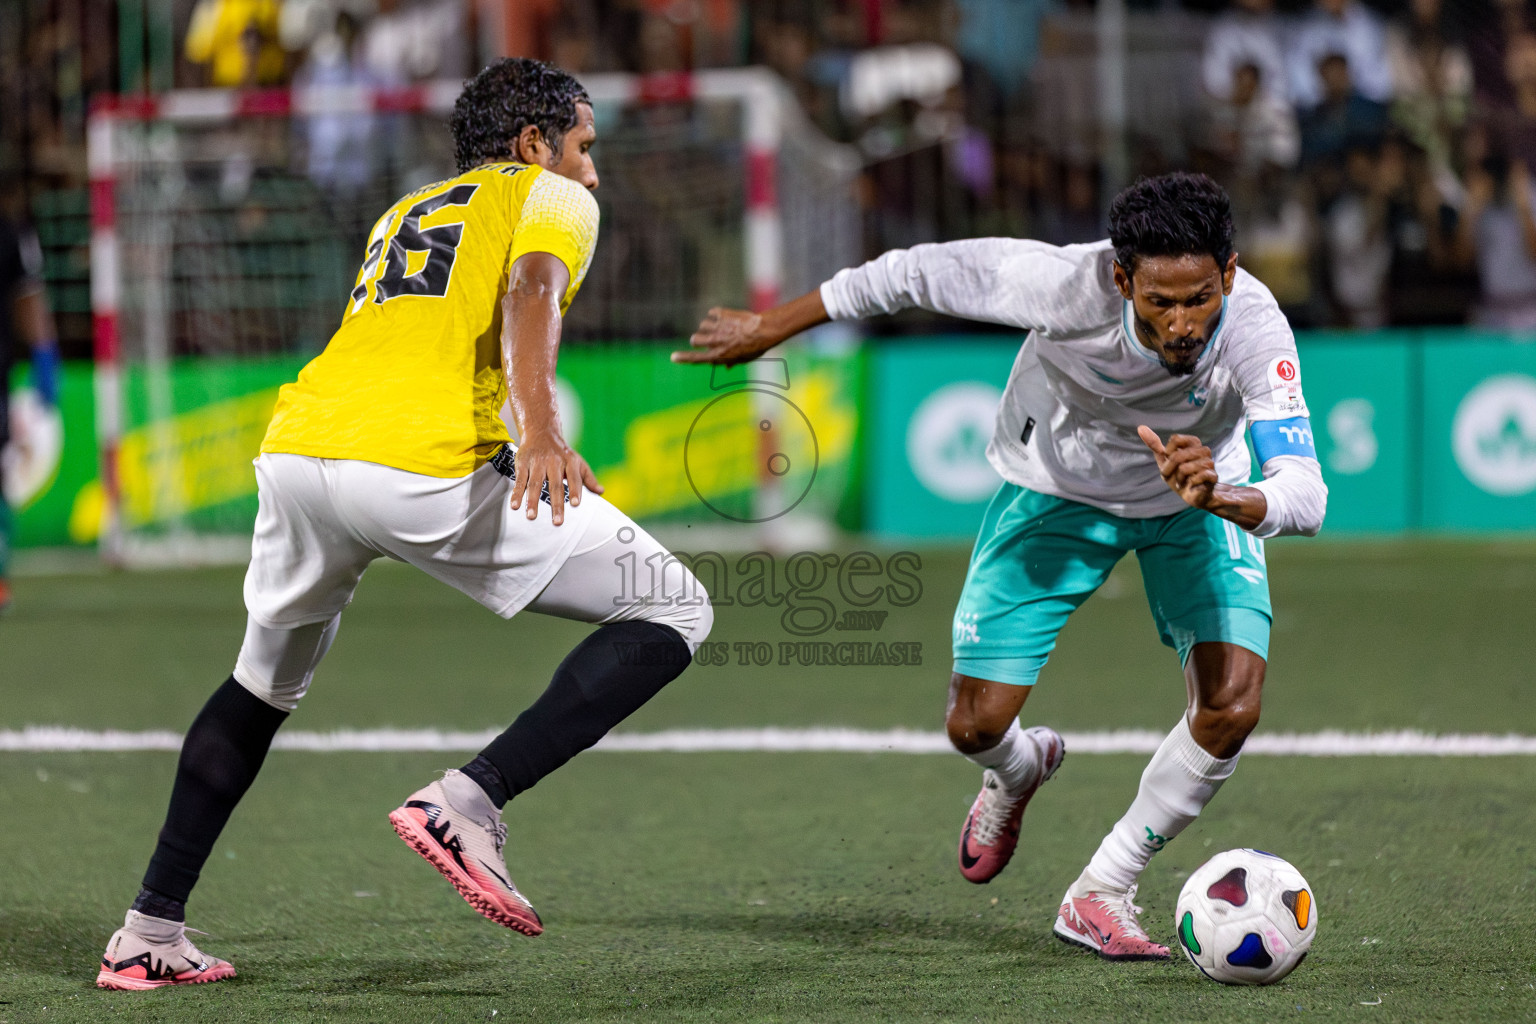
(1228, 681)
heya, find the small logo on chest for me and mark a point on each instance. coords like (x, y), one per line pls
(1197, 396)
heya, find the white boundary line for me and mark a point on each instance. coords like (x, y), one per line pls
(43, 738)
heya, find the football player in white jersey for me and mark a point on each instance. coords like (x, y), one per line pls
(1148, 356)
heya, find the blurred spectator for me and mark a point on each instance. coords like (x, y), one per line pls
(410, 42)
(1344, 119)
(785, 40)
(303, 23)
(341, 155)
(1003, 37)
(681, 35)
(1512, 127)
(1275, 236)
(1252, 140)
(238, 41)
(1431, 81)
(1499, 229)
(1430, 280)
(1358, 247)
(1345, 27)
(1487, 36)
(1252, 128)
(1248, 34)
(884, 76)
(575, 37)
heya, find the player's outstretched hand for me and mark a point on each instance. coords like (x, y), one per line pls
(726, 337)
(1186, 466)
(551, 464)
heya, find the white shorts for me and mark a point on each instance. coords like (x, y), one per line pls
(320, 522)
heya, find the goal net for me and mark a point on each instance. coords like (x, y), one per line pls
(227, 229)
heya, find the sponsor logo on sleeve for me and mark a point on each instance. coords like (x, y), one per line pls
(1285, 385)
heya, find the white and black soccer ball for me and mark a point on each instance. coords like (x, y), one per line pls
(1246, 917)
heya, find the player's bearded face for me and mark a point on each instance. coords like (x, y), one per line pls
(1176, 305)
(574, 160)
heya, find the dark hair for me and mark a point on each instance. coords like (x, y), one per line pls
(506, 97)
(1179, 214)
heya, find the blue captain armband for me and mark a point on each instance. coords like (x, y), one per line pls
(1282, 437)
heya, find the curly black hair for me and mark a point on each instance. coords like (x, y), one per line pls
(1178, 214)
(506, 97)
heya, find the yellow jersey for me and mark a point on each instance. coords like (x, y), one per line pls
(413, 378)
(216, 37)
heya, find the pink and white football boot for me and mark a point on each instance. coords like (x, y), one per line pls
(991, 831)
(151, 952)
(1103, 921)
(456, 827)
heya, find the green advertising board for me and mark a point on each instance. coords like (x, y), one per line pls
(190, 464)
(1415, 430)
(669, 442)
(1479, 456)
(933, 404)
(1359, 389)
(713, 444)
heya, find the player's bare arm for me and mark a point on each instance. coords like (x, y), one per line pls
(1188, 468)
(727, 337)
(530, 343)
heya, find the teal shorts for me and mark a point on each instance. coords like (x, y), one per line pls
(1037, 558)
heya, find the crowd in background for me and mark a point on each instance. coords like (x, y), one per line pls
(1379, 156)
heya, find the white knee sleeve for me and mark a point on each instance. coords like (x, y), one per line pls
(276, 665)
(671, 595)
(624, 575)
(692, 619)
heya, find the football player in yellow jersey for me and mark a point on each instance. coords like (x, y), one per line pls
(390, 445)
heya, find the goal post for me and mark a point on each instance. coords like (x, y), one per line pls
(226, 228)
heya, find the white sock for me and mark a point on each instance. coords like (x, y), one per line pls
(1177, 784)
(1015, 760)
(466, 796)
(155, 929)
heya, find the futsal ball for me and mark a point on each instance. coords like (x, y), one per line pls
(1246, 917)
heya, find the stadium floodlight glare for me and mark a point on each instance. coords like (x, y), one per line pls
(227, 227)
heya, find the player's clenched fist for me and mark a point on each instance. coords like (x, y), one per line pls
(1186, 466)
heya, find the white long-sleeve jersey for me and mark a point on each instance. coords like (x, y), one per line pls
(1082, 383)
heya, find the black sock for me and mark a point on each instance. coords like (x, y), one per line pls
(158, 904)
(489, 778)
(603, 681)
(219, 760)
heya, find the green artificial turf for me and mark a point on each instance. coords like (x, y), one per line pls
(765, 887)
(778, 886)
(1432, 636)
